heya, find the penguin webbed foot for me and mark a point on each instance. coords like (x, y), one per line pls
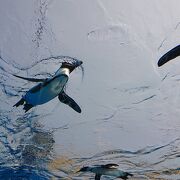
(27, 107)
(21, 102)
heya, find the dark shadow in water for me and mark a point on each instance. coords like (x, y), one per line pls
(29, 160)
(39, 148)
(23, 173)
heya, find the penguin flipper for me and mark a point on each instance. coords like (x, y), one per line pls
(30, 79)
(173, 53)
(64, 98)
(97, 176)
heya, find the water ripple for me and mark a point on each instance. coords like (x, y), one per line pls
(150, 162)
(26, 147)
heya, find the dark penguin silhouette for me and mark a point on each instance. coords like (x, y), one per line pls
(108, 169)
(50, 88)
(173, 53)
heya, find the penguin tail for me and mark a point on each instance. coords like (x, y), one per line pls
(129, 174)
(21, 102)
(125, 177)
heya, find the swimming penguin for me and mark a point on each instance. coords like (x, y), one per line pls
(108, 169)
(173, 53)
(50, 88)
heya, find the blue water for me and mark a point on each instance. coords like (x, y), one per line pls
(130, 107)
(23, 172)
(28, 148)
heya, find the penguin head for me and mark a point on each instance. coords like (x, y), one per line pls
(84, 169)
(71, 66)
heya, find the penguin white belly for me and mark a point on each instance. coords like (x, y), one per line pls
(46, 92)
(114, 172)
(111, 173)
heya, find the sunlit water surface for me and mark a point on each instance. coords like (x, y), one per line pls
(130, 108)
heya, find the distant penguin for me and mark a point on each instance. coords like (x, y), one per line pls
(108, 169)
(173, 53)
(50, 88)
